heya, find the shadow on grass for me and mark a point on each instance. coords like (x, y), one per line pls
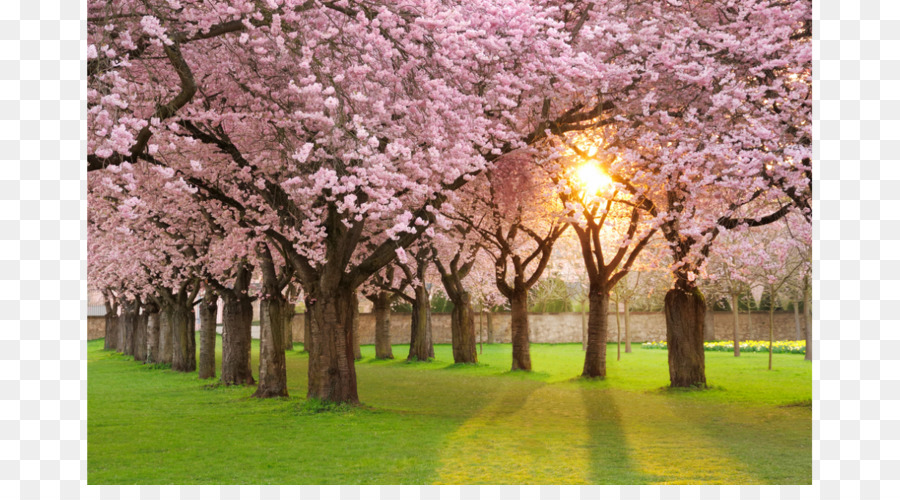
(773, 443)
(610, 460)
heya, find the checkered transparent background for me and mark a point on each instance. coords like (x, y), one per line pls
(43, 300)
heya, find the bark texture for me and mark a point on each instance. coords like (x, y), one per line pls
(354, 311)
(420, 348)
(332, 375)
(288, 314)
(152, 333)
(307, 329)
(685, 310)
(184, 357)
(237, 319)
(462, 328)
(140, 336)
(111, 339)
(128, 325)
(382, 309)
(209, 309)
(165, 334)
(462, 318)
(272, 367)
(597, 333)
(521, 344)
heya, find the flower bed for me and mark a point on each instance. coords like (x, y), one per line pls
(788, 346)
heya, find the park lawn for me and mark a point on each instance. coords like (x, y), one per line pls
(435, 422)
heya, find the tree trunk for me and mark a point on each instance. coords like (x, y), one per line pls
(237, 320)
(354, 313)
(618, 333)
(734, 329)
(598, 319)
(685, 310)
(128, 325)
(184, 357)
(140, 336)
(152, 333)
(165, 335)
(807, 319)
(521, 344)
(332, 375)
(382, 310)
(490, 326)
(798, 331)
(288, 328)
(462, 328)
(419, 348)
(272, 368)
(627, 329)
(584, 325)
(111, 339)
(307, 328)
(209, 309)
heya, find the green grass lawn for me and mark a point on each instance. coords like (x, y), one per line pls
(439, 423)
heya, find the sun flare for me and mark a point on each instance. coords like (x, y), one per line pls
(591, 178)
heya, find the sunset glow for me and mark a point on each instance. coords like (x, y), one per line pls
(591, 178)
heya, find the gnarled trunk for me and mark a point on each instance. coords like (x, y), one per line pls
(237, 320)
(209, 309)
(382, 309)
(685, 310)
(597, 333)
(332, 375)
(462, 328)
(521, 344)
(420, 348)
(272, 369)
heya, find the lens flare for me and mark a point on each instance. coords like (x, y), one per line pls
(591, 178)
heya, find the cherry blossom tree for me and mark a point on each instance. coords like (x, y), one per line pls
(521, 222)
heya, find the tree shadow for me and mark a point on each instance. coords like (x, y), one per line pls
(610, 459)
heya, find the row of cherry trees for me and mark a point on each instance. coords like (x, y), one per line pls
(341, 146)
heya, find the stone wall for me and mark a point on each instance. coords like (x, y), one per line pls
(96, 327)
(551, 328)
(566, 327)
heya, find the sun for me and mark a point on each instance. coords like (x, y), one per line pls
(591, 178)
